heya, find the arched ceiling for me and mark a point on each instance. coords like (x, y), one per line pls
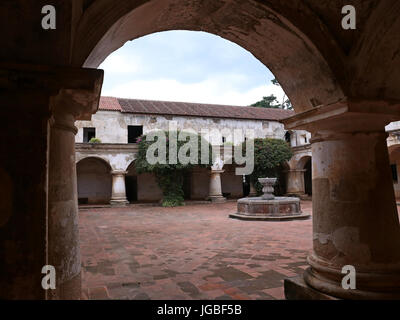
(301, 42)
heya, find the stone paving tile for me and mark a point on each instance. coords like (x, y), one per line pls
(190, 252)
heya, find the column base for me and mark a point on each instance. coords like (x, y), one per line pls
(119, 203)
(320, 288)
(216, 199)
(297, 289)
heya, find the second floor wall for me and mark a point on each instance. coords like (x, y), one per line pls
(112, 126)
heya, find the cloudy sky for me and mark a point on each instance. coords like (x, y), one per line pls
(187, 66)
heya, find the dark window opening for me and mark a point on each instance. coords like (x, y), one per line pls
(287, 136)
(223, 139)
(394, 172)
(134, 132)
(88, 134)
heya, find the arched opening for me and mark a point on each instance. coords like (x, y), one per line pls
(302, 43)
(94, 181)
(302, 68)
(305, 164)
(308, 178)
(141, 187)
(394, 157)
(131, 183)
(232, 184)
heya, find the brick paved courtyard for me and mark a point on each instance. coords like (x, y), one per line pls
(191, 252)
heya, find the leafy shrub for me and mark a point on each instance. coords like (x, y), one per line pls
(95, 140)
(269, 155)
(170, 176)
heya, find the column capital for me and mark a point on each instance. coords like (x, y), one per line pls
(119, 172)
(74, 89)
(219, 171)
(346, 116)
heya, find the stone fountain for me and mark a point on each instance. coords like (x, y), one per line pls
(268, 207)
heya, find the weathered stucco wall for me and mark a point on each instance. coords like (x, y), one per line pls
(112, 126)
(200, 183)
(231, 183)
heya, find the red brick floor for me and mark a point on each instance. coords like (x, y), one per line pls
(191, 252)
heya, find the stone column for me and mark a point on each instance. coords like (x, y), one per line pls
(215, 190)
(355, 220)
(118, 194)
(295, 182)
(64, 253)
(63, 232)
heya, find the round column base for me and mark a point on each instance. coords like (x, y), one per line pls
(216, 199)
(119, 202)
(369, 286)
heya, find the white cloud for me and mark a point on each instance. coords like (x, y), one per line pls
(211, 90)
(118, 63)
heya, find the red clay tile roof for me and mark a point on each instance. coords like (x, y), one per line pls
(109, 103)
(191, 109)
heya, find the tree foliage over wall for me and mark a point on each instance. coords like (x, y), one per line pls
(170, 176)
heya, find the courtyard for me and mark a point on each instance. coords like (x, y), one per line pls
(190, 252)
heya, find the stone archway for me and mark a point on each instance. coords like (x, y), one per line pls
(141, 187)
(269, 32)
(94, 181)
(131, 183)
(305, 165)
(311, 70)
(346, 81)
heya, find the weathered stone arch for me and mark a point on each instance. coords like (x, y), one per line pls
(274, 33)
(302, 162)
(286, 165)
(130, 165)
(94, 180)
(100, 158)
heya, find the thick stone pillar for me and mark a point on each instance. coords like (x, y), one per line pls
(28, 94)
(295, 182)
(215, 189)
(23, 189)
(355, 219)
(118, 194)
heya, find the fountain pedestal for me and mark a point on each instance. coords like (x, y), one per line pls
(268, 207)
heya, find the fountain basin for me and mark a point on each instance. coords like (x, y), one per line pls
(276, 209)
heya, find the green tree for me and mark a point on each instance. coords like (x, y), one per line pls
(267, 102)
(170, 176)
(271, 101)
(286, 104)
(269, 155)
